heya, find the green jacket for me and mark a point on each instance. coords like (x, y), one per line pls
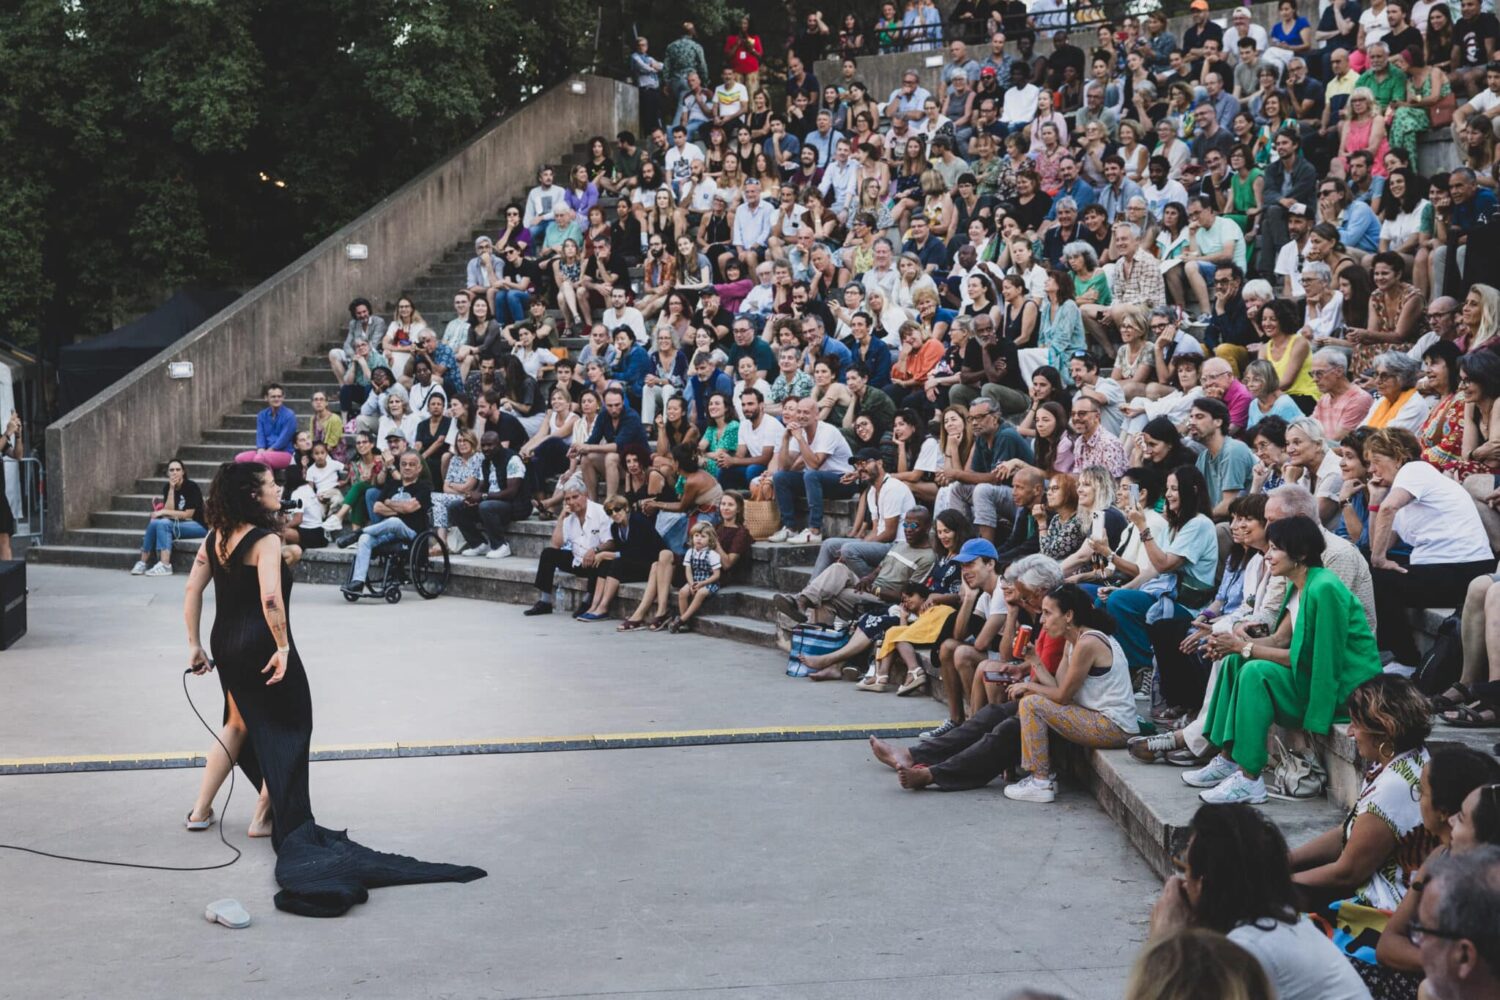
(1333, 650)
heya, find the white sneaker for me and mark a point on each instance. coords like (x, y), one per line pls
(1029, 789)
(1211, 773)
(139, 569)
(780, 535)
(332, 524)
(160, 569)
(477, 550)
(807, 537)
(503, 552)
(1235, 788)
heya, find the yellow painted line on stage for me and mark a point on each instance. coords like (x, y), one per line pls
(520, 744)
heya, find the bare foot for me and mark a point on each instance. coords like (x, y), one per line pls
(827, 674)
(891, 755)
(260, 826)
(812, 663)
(914, 777)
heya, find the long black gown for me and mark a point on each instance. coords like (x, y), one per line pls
(322, 873)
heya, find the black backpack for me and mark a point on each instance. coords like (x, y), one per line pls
(1443, 663)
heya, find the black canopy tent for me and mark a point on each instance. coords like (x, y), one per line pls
(88, 368)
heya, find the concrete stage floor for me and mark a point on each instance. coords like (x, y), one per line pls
(778, 871)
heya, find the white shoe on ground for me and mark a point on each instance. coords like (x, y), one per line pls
(139, 569)
(477, 550)
(1029, 789)
(780, 535)
(1235, 788)
(332, 524)
(1210, 774)
(503, 552)
(160, 569)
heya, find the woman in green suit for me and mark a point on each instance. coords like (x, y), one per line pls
(1299, 677)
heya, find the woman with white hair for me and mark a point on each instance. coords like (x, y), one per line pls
(1325, 305)
(1311, 462)
(1363, 129)
(1400, 404)
(1480, 315)
(1090, 290)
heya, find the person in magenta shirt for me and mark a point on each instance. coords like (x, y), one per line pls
(1219, 383)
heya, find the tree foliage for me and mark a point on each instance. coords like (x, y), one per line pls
(153, 143)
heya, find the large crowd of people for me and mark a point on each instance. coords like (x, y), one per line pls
(1156, 373)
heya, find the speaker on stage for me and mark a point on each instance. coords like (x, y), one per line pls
(12, 602)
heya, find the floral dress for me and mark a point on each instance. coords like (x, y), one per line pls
(1408, 122)
(1063, 538)
(460, 470)
(1384, 319)
(1442, 433)
(716, 440)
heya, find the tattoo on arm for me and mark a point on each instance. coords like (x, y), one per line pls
(275, 618)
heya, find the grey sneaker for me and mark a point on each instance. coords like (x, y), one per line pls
(160, 569)
(1150, 749)
(139, 569)
(947, 727)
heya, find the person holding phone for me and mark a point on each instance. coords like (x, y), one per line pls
(11, 446)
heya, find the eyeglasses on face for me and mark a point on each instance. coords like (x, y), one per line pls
(1415, 932)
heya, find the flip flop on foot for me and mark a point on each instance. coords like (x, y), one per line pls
(199, 824)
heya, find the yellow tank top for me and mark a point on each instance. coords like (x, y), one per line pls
(1304, 386)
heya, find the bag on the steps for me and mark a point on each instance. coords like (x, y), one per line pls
(762, 518)
(813, 640)
(1440, 668)
(1295, 774)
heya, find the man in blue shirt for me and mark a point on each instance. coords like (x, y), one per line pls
(823, 138)
(1073, 186)
(275, 431)
(814, 332)
(867, 349)
(932, 253)
(1359, 229)
(616, 429)
(746, 342)
(1115, 196)
(1472, 208)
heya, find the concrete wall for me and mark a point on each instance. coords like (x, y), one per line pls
(883, 73)
(126, 432)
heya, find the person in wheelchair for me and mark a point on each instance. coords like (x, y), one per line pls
(499, 499)
(400, 515)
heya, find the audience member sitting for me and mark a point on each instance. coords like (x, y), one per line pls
(1456, 783)
(1236, 880)
(495, 498)
(1300, 675)
(626, 556)
(885, 502)
(179, 514)
(1400, 404)
(1354, 876)
(275, 427)
(838, 590)
(1454, 925)
(1088, 702)
(813, 460)
(1432, 514)
(576, 537)
(1177, 578)
(1197, 963)
(399, 515)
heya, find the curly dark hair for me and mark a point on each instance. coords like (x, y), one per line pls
(1241, 858)
(231, 498)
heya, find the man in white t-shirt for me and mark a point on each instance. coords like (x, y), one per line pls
(731, 99)
(620, 313)
(680, 159)
(812, 461)
(886, 501)
(760, 436)
(1290, 258)
(1485, 104)
(541, 205)
(576, 537)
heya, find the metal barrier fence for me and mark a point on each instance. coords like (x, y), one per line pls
(28, 504)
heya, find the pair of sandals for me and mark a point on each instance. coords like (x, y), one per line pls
(671, 623)
(1466, 707)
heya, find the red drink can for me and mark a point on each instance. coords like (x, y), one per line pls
(1023, 639)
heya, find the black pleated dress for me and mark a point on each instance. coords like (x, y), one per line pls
(322, 873)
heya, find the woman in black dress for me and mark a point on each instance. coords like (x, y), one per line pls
(321, 872)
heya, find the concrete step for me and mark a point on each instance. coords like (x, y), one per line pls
(133, 502)
(92, 557)
(210, 453)
(507, 580)
(121, 520)
(128, 539)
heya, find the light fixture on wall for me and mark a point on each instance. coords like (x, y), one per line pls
(357, 251)
(577, 87)
(179, 369)
(932, 62)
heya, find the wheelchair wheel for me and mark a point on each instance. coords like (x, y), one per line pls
(351, 598)
(393, 594)
(429, 573)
